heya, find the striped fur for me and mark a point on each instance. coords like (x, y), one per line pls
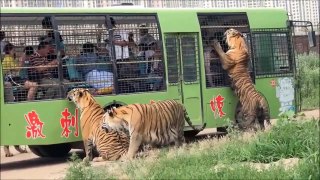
(235, 61)
(159, 123)
(110, 145)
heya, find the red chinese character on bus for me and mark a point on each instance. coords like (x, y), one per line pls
(216, 103)
(34, 128)
(273, 83)
(66, 122)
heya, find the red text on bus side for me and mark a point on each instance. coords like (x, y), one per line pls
(66, 122)
(216, 103)
(35, 125)
(273, 83)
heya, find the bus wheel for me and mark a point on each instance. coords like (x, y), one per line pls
(190, 134)
(52, 150)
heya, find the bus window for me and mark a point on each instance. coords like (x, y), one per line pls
(271, 48)
(86, 62)
(29, 66)
(137, 51)
(212, 27)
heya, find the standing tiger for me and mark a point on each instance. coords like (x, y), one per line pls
(17, 147)
(159, 123)
(110, 145)
(235, 61)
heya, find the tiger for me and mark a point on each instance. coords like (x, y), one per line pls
(17, 147)
(156, 124)
(110, 145)
(235, 62)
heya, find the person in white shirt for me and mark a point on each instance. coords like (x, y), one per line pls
(120, 41)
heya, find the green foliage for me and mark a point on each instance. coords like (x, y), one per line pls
(81, 170)
(308, 76)
(228, 157)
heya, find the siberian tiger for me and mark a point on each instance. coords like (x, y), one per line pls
(235, 61)
(159, 123)
(17, 147)
(110, 145)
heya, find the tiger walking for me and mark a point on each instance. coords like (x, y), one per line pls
(159, 123)
(110, 145)
(235, 61)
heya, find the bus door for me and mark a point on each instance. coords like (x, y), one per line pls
(182, 51)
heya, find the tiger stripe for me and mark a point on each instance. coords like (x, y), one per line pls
(110, 145)
(159, 123)
(235, 61)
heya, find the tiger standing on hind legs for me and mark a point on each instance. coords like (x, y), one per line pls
(110, 145)
(235, 62)
(159, 123)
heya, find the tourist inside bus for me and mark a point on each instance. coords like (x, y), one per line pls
(42, 71)
(147, 45)
(95, 74)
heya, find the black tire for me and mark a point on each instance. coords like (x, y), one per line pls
(191, 133)
(222, 129)
(52, 150)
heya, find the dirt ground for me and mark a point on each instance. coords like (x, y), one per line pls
(30, 166)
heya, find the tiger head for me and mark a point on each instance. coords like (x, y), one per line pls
(116, 119)
(232, 38)
(80, 96)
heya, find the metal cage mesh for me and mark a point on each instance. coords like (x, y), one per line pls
(213, 27)
(44, 57)
(272, 52)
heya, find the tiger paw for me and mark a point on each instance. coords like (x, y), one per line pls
(86, 159)
(216, 44)
(9, 155)
(123, 158)
(23, 151)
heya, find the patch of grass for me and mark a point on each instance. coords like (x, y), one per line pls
(287, 140)
(80, 170)
(308, 72)
(200, 160)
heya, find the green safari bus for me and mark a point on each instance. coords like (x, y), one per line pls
(131, 55)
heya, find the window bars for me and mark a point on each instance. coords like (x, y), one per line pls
(45, 56)
(213, 26)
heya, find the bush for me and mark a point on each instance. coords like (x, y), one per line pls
(308, 74)
(232, 155)
(287, 139)
(83, 171)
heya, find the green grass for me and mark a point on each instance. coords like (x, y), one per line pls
(79, 170)
(308, 74)
(226, 158)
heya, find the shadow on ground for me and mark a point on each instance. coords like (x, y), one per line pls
(37, 162)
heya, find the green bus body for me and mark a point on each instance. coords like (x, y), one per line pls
(195, 96)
